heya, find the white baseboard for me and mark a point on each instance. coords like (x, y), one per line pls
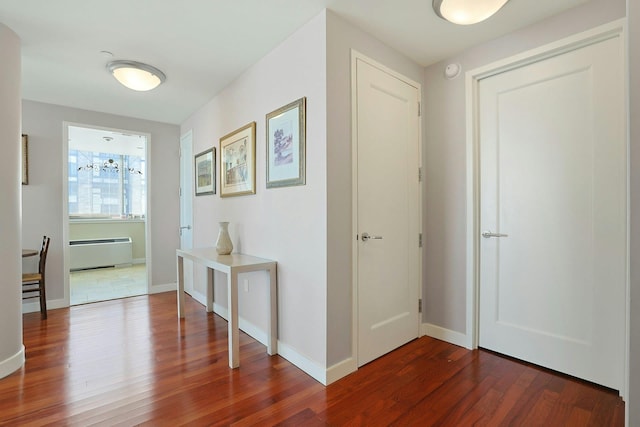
(201, 298)
(167, 287)
(139, 261)
(245, 326)
(452, 337)
(310, 367)
(314, 370)
(341, 370)
(13, 363)
(33, 305)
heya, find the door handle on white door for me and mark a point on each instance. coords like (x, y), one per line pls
(188, 227)
(366, 236)
(488, 234)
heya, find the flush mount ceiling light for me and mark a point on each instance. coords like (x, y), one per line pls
(136, 75)
(467, 12)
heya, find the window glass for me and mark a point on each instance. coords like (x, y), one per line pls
(106, 185)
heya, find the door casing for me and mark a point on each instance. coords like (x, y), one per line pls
(186, 204)
(65, 205)
(473, 77)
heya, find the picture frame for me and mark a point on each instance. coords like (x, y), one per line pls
(205, 174)
(238, 162)
(286, 145)
(25, 159)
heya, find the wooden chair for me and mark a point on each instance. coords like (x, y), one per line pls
(33, 284)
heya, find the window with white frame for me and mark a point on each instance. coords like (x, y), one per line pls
(106, 185)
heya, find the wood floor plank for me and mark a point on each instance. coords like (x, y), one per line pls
(132, 362)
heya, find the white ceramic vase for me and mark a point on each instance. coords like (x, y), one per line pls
(224, 246)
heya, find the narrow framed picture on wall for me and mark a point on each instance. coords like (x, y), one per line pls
(238, 162)
(205, 172)
(286, 134)
(25, 159)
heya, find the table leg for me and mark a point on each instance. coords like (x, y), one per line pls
(209, 291)
(272, 339)
(180, 262)
(234, 343)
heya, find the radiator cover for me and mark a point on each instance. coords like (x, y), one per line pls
(103, 252)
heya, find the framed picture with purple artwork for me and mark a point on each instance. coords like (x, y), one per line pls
(286, 134)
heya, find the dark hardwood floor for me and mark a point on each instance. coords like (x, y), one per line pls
(131, 362)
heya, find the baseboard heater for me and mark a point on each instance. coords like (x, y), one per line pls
(96, 253)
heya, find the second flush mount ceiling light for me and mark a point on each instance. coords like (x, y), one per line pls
(467, 12)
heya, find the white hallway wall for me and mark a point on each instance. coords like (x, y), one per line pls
(306, 229)
(11, 348)
(444, 257)
(633, 403)
(42, 198)
(284, 224)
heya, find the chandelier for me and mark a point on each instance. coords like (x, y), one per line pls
(108, 166)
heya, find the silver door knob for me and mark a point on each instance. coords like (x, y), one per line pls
(367, 236)
(489, 234)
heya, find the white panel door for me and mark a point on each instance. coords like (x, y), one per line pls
(186, 204)
(388, 211)
(553, 183)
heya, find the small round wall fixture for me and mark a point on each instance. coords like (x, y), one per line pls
(467, 12)
(451, 71)
(136, 75)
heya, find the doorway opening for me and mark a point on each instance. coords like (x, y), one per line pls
(107, 214)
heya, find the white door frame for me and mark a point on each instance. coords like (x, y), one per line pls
(187, 198)
(355, 55)
(473, 77)
(65, 203)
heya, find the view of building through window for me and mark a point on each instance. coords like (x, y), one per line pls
(106, 185)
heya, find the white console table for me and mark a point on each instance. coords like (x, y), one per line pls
(232, 265)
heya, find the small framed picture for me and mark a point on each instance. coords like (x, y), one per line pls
(286, 136)
(205, 172)
(25, 160)
(238, 162)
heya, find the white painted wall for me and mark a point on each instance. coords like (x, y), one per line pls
(444, 156)
(633, 400)
(341, 38)
(11, 348)
(42, 198)
(289, 224)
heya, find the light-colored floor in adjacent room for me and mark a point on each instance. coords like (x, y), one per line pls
(103, 284)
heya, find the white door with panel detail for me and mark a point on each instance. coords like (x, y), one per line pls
(388, 209)
(553, 213)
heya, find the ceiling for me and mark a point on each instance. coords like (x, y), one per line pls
(106, 141)
(203, 45)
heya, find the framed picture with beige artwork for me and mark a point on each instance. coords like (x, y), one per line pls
(238, 162)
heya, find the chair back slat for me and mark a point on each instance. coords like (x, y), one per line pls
(43, 254)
